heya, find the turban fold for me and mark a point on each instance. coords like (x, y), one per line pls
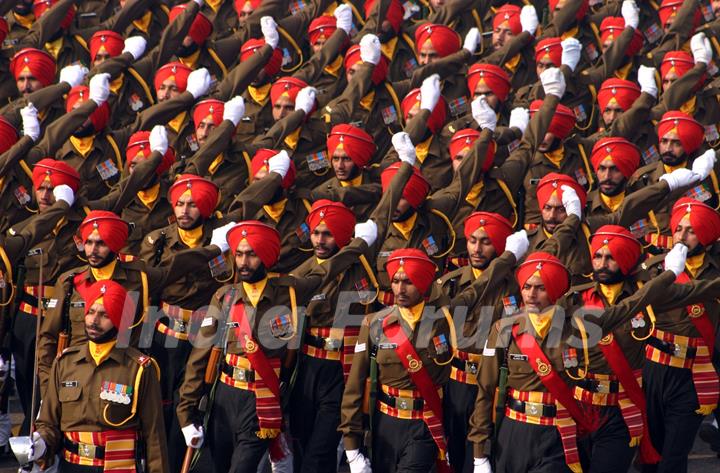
(704, 219)
(562, 122)
(202, 191)
(239, 4)
(260, 161)
(416, 189)
(418, 266)
(621, 91)
(209, 107)
(110, 41)
(177, 71)
(669, 8)
(111, 294)
(201, 27)
(444, 40)
(352, 57)
(690, 132)
(394, 15)
(262, 238)
(58, 172)
(339, 219)
(624, 247)
(356, 143)
(679, 62)
(274, 63)
(81, 93)
(8, 135)
(289, 86)
(491, 75)
(550, 48)
(139, 145)
(464, 139)
(510, 15)
(40, 64)
(625, 155)
(321, 27)
(552, 4)
(41, 6)
(112, 229)
(495, 225)
(552, 272)
(437, 116)
(552, 183)
(612, 26)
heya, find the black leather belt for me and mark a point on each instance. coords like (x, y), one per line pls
(84, 450)
(673, 349)
(465, 365)
(401, 402)
(328, 344)
(532, 408)
(238, 374)
(599, 386)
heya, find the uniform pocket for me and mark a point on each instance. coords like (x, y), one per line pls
(69, 393)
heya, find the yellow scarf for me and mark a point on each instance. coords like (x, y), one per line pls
(178, 121)
(54, 47)
(556, 156)
(105, 272)
(412, 315)
(473, 196)
(149, 196)
(193, 237)
(259, 94)
(689, 106)
(512, 63)
(254, 290)
(190, 60)
(116, 84)
(622, 72)
(214, 4)
(100, 351)
(275, 211)
(334, 67)
(292, 139)
(422, 149)
(571, 33)
(407, 226)
(693, 263)
(352, 182)
(143, 23)
(612, 202)
(367, 101)
(388, 49)
(476, 272)
(26, 21)
(83, 145)
(611, 291)
(541, 322)
(215, 164)
(669, 169)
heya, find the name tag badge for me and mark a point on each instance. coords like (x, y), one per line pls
(517, 357)
(387, 346)
(77, 305)
(318, 297)
(69, 384)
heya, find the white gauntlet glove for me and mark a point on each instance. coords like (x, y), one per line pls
(675, 259)
(194, 435)
(519, 118)
(404, 147)
(701, 49)
(305, 99)
(100, 88)
(571, 49)
(344, 18)
(646, 79)
(270, 31)
(158, 139)
(280, 163)
(529, 19)
(135, 45)
(367, 231)
(30, 122)
(234, 109)
(198, 82)
(679, 178)
(370, 49)
(483, 113)
(472, 40)
(517, 244)
(571, 201)
(553, 82)
(73, 75)
(704, 164)
(630, 13)
(357, 462)
(65, 193)
(430, 92)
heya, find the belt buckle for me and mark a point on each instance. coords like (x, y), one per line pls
(602, 387)
(332, 344)
(240, 374)
(679, 350)
(471, 367)
(87, 450)
(533, 408)
(404, 403)
(179, 325)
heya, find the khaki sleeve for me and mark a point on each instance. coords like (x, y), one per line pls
(351, 415)
(48, 421)
(242, 75)
(635, 207)
(481, 420)
(47, 342)
(151, 421)
(217, 142)
(38, 227)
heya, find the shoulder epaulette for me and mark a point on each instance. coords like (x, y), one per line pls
(451, 275)
(72, 349)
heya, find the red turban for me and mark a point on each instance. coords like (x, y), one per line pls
(274, 63)
(81, 93)
(201, 27)
(4, 28)
(704, 219)
(612, 26)
(676, 61)
(289, 86)
(553, 273)
(321, 27)
(260, 161)
(623, 246)
(464, 139)
(352, 57)
(40, 64)
(581, 11)
(8, 135)
(41, 6)
(113, 297)
(112, 229)
(669, 8)
(212, 107)
(239, 4)
(691, 133)
(262, 238)
(418, 266)
(139, 145)
(112, 42)
(550, 48)
(338, 218)
(58, 172)
(562, 122)
(202, 191)
(394, 15)
(356, 143)
(625, 155)
(416, 189)
(495, 225)
(510, 15)
(623, 92)
(444, 40)
(437, 116)
(173, 70)
(553, 182)
(491, 75)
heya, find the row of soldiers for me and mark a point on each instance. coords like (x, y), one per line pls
(446, 235)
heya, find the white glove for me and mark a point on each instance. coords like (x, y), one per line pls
(280, 163)
(370, 49)
(4, 369)
(30, 122)
(519, 118)
(517, 244)
(199, 2)
(158, 139)
(100, 88)
(553, 82)
(630, 13)
(219, 239)
(675, 259)
(367, 231)
(282, 466)
(571, 49)
(38, 447)
(646, 79)
(704, 164)
(269, 31)
(234, 109)
(481, 465)
(483, 113)
(357, 462)
(194, 435)
(571, 201)
(198, 82)
(64, 192)
(305, 99)
(404, 147)
(472, 40)
(344, 18)
(430, 92)
(135, 45)
(679, 178)
(529, 19)
(701, 49)
(73, 75)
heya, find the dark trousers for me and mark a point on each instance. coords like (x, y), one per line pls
(607, 450)
(23, 350)
(529, 448)
(458, 405)
(234, 445)
(315, 414)
(402, 446)
(672, 420)
(171, 360)
(66, 467)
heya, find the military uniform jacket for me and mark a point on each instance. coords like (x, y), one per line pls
(361, 199)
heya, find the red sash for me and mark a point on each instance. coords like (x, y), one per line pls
(699, 318)
(422, 381)
(624, 372)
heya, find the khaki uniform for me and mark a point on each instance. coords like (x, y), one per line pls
(361, 198)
